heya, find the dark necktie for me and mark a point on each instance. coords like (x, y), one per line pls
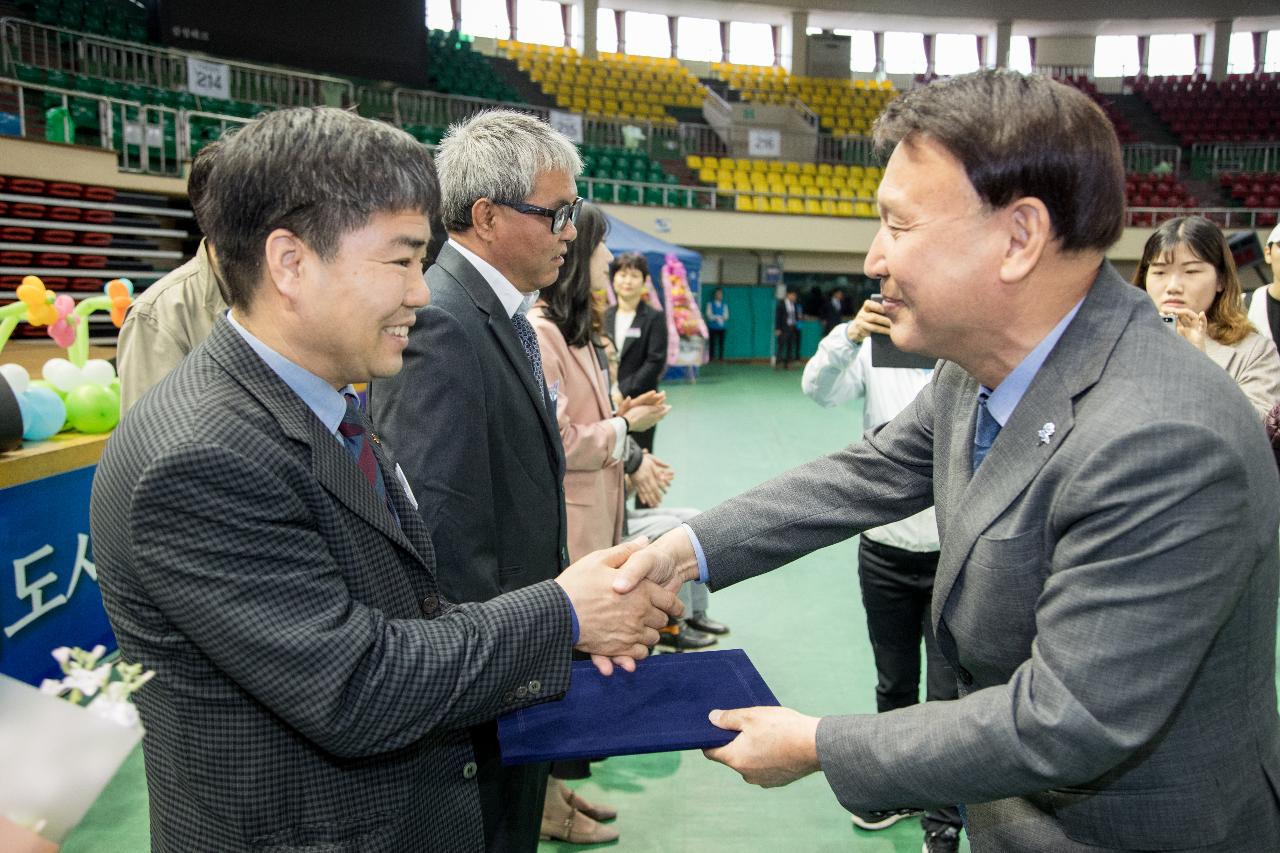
(529, 340)
(355, 435)
(985, 433)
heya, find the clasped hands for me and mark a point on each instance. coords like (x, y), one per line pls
(619, 612)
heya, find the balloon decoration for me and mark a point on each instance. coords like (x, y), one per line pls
(77, 391)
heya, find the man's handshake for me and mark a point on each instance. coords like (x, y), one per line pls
(623, 595)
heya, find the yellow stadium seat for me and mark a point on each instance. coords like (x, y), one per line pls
(742, 185)
(693, 161)
(707, 175)
(842, 170)
(808, 169)
(723, 174)
(824, 169)
(724, 186)
(759, 166)
(728, 163)
(863, 210)
(828, 207)
(806, 180)
(743, 203)
(791, 180)
(844, 208)
(761, 204)
(792, 168)
(812, 206)
(777, 204)
(822, 182)
(711, 162)
(795, 205)
(858, 172)
(776, 166)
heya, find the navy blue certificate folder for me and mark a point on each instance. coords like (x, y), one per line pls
(661, 707)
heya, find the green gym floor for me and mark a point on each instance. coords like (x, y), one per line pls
(803, 627)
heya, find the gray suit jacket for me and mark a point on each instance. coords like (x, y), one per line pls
(1107, 598)
(313, 690)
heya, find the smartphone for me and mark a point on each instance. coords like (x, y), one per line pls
(884, 353)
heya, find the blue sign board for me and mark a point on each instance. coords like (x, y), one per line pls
(49, 593)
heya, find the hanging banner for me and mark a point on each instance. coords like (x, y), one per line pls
(762, 142)
(570, 124)
(208, 79)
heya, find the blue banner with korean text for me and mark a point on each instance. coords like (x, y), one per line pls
(49, 593)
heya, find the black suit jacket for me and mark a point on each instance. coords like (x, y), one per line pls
(641, 359)
(481, 448)
(780, 316)
(313, 690)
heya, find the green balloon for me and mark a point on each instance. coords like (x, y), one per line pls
(40, 383)
(92, 409)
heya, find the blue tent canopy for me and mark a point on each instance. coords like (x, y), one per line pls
(624, 238)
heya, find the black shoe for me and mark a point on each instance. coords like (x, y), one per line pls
(942, 841)
(685, 638)
(700, 622)
(872, 821)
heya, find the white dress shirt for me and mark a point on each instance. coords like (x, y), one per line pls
(841, 371)
(512, 300)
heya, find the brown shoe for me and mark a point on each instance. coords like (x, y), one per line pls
(577, 828)
(562, 822)
(591, 810)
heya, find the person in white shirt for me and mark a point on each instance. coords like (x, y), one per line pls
(896, 562)
(1264, 309)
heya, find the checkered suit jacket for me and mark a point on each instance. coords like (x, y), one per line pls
(313, 689)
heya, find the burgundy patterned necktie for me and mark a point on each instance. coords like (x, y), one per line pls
(356, 436)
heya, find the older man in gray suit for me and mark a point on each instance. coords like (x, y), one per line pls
(257, 545)
(1107, 587)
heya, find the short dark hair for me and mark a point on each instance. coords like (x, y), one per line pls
(320, 172)
(569, 299)
(629, 261)
(1022, 135)
(1228, 322)
(198, 177)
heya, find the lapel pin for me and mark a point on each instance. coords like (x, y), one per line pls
(1046, 432)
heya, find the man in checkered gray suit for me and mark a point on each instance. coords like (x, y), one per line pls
(259, 548)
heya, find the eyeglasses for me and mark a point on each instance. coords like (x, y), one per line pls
(560, 217)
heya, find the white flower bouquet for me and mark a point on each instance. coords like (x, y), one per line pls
(63, 741)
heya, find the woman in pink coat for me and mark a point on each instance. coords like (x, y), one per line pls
(577, 377)
(595, 439)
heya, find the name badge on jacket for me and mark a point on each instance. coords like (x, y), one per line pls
(404, 484)
(633, 332)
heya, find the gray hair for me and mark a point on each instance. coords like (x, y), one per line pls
(320, 172)
(498, 154)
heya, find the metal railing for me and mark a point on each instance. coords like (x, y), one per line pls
(416, 106)
(145, 137)
(854, 150)
(1219, 157)
(699, 197)
(25, 42)
(1144, 157)
(1226, 218)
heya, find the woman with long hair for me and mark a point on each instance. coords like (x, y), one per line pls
(1189, 273)
(594, 439)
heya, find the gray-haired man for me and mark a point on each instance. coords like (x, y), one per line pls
(258, 550)
(470, 415)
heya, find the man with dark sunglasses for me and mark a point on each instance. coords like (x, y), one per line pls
(471, 413)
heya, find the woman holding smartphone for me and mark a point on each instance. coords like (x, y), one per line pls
(1188, 272)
